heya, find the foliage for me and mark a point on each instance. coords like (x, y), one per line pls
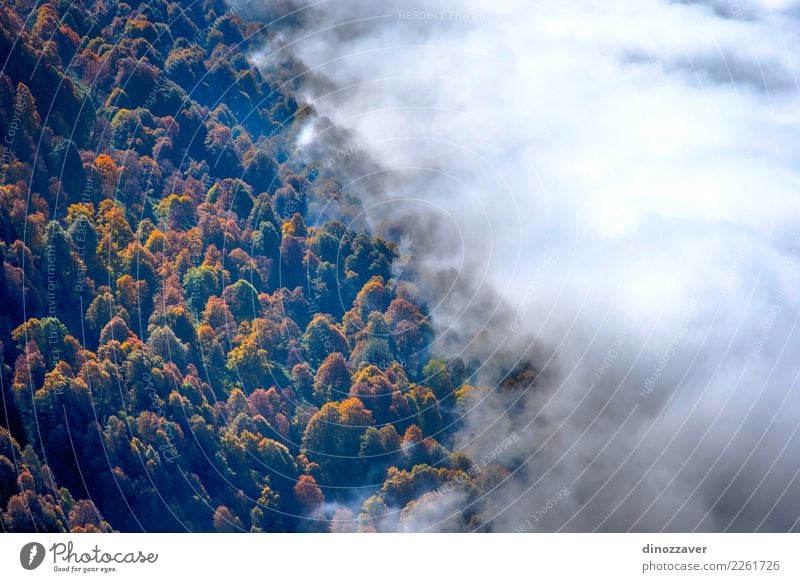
(189, 342)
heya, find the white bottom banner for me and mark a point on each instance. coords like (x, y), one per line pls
(390, 557)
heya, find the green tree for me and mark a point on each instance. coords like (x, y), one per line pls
(332, 381)
(333, 438)
(322, 338)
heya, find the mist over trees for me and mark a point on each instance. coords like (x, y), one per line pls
(192, 340)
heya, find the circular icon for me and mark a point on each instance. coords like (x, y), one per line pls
(31, 555)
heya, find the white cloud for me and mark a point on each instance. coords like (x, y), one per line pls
(654, 146)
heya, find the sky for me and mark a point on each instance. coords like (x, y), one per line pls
(608, 190)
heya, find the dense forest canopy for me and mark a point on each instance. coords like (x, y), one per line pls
(192, 338)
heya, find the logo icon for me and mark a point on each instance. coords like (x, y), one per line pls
(31, 555)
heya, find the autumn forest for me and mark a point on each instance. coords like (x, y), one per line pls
(193, 338)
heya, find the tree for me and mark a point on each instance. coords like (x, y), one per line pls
(51, 338)
(332, 381)
(249, 363)
(265, 517)
(177, 211)
(380, 448)
(260, 170)
(239, 347)
(220, 154)
(291, 272)
(85, 518)
(163, 342)
(375, 516)
(266, 241)
(373, 388)
(242, 299)
(217, 315)
(63, 410)
(134, 297)
(308, 494)
(225, 521)
(436, 376)
(115, 235)
(100, 312)
(66, 160)
(322, 338)
(116, 329)
(302, 380)
(372, 297)
(325, 246)
(371, 351)
(28, 512)
(27, 138)
(343, 521)
(199, 284)
(83, 233)
(333, 438)
(108, 173)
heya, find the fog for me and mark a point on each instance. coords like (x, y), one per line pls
(609, 190)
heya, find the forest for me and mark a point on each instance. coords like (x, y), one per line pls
(192, 338)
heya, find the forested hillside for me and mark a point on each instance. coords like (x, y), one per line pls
(184, 349)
